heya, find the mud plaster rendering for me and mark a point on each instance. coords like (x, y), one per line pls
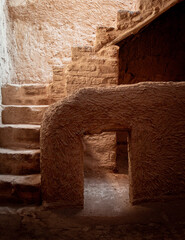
(151, 112)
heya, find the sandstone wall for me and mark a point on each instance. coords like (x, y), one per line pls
(154, 116)
(44, 31)
(91, 69)
(100, 69)
(5, 62)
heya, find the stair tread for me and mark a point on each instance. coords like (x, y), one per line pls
(19, 162)
(26, 106)
(32, 179)
(26, 126)
(18, 151)
(26, 84)
(20, 189)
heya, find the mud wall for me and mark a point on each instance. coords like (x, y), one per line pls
(154, 115)
(90, 69)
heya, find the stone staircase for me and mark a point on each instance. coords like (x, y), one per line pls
(23, 108)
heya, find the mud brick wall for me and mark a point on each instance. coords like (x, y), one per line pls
(26, 94)
(105, 35)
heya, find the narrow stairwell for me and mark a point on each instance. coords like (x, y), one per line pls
(24, 105)
(23, 108)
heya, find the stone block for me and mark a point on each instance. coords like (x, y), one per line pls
(23, 114)
(19, 162)
(78, 52)
(20, 136)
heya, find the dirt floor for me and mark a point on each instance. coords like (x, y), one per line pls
(107, 215)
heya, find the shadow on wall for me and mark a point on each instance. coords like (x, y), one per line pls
(156, 53)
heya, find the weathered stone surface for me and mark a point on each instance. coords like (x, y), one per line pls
(101, 70)
(19, 162)
(51, 29)
(99, 152)
(19, 136)
(23, 114)
(154, 116)
(57, 89)
(127, 19)
(93, 69)
(25, 94)
(105, 35)
(20, 189)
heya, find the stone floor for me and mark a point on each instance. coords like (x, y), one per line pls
(107, 215)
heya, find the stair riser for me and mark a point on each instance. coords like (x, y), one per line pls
(19, 138)
(19, 164)
(13, 192)
(25, 95)
(23, 115)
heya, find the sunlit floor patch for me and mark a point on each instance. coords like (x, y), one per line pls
(106, 195)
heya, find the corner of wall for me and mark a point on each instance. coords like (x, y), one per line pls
(6, 68)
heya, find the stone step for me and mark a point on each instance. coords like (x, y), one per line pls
(127, 19)
(19, 162)
(20, 189)
(23, 114)
(25, 94)
(19, 136)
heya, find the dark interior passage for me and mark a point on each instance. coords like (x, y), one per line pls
(157, 52)
(122, 152)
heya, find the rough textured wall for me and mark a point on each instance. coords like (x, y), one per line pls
(156, 53)
(5, 62)
(90, 69)
(154, 116)
(44, 31)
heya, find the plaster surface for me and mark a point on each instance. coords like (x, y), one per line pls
(153, 114)
(5, 61)
(44, 32)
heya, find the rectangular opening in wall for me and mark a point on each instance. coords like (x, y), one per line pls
(106, 184)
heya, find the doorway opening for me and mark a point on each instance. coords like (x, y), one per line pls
(106, 182)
